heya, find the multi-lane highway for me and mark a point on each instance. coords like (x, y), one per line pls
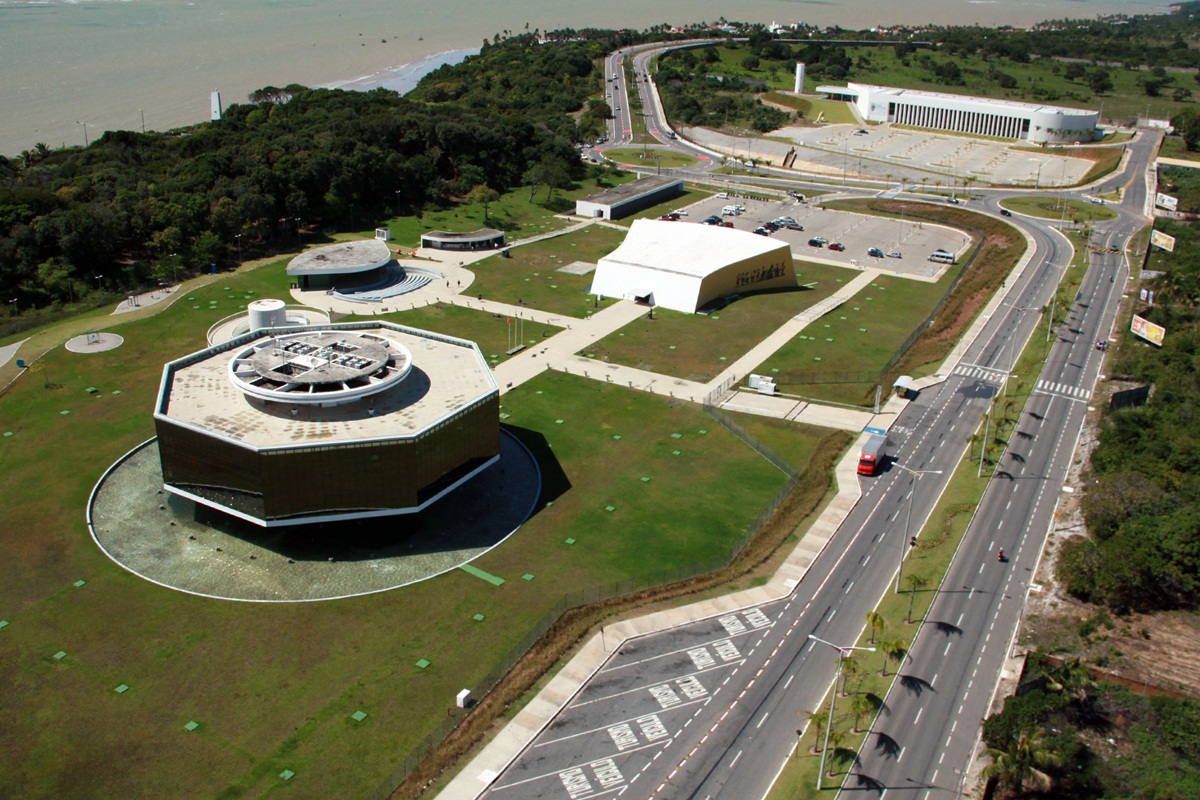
(710, 709)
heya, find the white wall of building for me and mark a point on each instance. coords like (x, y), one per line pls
(976, 115)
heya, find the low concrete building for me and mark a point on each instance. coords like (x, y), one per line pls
(629, 198)
(482, 239)
(685, 267)
(344, 263)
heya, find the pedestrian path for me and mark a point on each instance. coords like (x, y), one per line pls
(1063, 390)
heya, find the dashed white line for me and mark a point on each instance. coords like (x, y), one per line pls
(764, 719)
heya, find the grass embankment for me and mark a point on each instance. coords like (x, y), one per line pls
(494, 334)
(1058, 208)
(273, 686)
(699, 347)
(846, 369)
(812, 488)
(1104, 159)
(1173, 147)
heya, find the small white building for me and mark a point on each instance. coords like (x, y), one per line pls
(629, 198)
(684, 266)
(983, 116)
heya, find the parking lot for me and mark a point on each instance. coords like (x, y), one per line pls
(926, 158)
(915, 241)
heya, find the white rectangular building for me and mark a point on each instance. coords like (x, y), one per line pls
(983, 116)
(684, 266)
(629, 198)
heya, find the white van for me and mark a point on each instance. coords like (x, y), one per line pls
(731, 211)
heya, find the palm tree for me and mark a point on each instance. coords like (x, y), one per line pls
(850, 667)
(819, 719)
(971, 440)
(1072, 677)
(876, 623)
(1022, 763)
(861, 706)
(835, 744)
(894, 650)
(915, 584)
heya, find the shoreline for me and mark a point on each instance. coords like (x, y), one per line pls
(402, 78)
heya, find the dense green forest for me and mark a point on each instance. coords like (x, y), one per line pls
(132, 206)
(1063, 736)
(1142, 503)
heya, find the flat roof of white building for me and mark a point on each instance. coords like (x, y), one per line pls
(447, 375)
(343, 258)
(918, 96)
(628, 191)
(688, 249)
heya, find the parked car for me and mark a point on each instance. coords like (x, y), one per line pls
(821, 239)
(837, 246)
(794, 226)
(762, 231)
(771, 226)
(895, 254)
(953, 200)
(792, 193)
(1004, 212)
(874, 252)
(816, 243)
(713, 220)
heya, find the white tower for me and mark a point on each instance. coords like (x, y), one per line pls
(799, 78)
(216, 106)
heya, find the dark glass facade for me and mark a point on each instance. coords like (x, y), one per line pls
(300, 481)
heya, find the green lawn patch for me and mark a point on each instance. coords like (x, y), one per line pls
(494, 334)
(1058, 208)
(531, 276)
(515, 213)
(275, 684)
(650, 158)
(691, 345)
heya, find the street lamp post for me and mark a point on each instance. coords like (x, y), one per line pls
(1053, 299)
(299, 241)
(238, 236)
(85, 136)
(1012, 346)
(842, 652)
(908, 537)
(143, 113)
(13, 303)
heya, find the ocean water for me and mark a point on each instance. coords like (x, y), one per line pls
(75, 68)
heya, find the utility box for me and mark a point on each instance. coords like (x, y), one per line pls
(762, 384)
(464, 698)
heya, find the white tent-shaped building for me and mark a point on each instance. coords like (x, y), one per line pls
(684, 266)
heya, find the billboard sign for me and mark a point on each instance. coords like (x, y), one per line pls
(1154, 334)
(1166, 201)
(1160, 239)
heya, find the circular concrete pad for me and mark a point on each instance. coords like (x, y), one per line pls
(208, 553)
(94, 342)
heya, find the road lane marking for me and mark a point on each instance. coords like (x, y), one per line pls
(735, 759)
(917, 718)
(761, 721)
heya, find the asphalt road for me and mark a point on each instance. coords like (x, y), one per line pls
(711, 709)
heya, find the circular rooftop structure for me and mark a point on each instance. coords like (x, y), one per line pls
(325, 368)
(343, 258)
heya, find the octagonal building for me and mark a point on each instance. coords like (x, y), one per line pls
(326, 423)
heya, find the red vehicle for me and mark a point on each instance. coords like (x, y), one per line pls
(838, 246)
(871, 460)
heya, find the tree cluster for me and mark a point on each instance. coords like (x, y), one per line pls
(1052, 739)
(1142, 502)
(134, 206)
(693, 98)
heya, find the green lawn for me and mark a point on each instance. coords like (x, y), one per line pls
(699, 347)
(1054, 208)
(1173, 147)
(273, 686)
(531, 276)
(651, 157)
(514, 213)
(494, 334)
(838, 357)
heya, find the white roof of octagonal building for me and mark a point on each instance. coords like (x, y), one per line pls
(404, 382)
(671, 260)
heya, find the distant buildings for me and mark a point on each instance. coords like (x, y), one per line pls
(982, 116)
